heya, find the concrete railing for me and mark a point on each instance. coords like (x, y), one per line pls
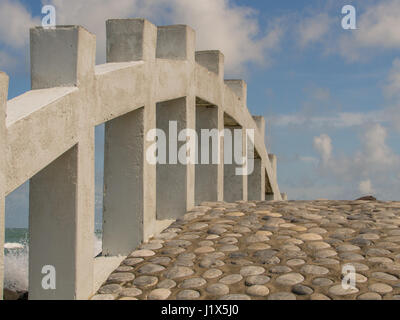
(152, 76)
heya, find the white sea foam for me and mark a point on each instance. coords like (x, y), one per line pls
(16, 264)
(13, 245)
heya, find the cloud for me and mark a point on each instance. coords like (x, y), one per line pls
(15, 21)
(377, 28)
(365, 187)
(313, 29)
(323, 145)
(219, 24)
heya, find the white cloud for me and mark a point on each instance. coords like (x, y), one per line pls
(15, 21)
(219, 24)
(365, 187)
(323, 145)
(313, 29)
(377, 28)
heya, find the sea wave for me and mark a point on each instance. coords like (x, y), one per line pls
(16, 263)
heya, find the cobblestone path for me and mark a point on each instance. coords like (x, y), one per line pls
(267, 250)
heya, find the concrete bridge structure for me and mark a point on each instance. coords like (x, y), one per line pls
(153, 75)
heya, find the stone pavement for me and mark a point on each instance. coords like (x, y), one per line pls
(267, 250)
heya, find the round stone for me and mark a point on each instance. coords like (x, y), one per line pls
(256, 238)
(310, 237)
(380, 260)
(133, 261)
(282, 296)
(381, 288)
(208, 263)
(319, 296)
(150, 268)
(151, 246)
(258, 246)
(339, 290)
(212, 273)
(325, 253)
(159, 294)
(231, 279)
(179, 243)
(178, 272)
(295, 262)
(322, 282)
(131, 292)
(347, 248)
(302, 290)
(188, 295)
(187, 256)
(110, 289)
(184, 263)
(167, 284)
(383, 276)
(121, 277)
(172, 250)
(257, 280)
(312, 269)
(251, 271)
(257, 290)
(198, 226)
(142, 253)
(235, 297)
(145, 281)
(369, 296)
(235, 214)
(369, 236)
(290, 279)
(124, 269)
(351, 256)
(192, 283)
(164, 261)
(228, 248)
(205, 249)
(206, 243)
(318, 245)
(359, 266)
(218, 289)
(103, 297)
(216, 230)
(280, 269)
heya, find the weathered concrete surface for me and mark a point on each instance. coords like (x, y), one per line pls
(267, 250)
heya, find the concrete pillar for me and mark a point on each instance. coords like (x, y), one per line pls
(123, 184)
(284, 196)
(260, 123)
(207, 186)
(239, 87)
(176, 181)
(3, 103)
(256, 181)
(235, 185)
(172, 184)
(61, 213)
(129, 203)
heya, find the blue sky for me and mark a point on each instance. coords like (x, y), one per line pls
(330, 96)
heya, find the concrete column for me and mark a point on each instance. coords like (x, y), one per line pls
(123, 184)
(3, 103)
(239, 87)
(207, 186)
(284, 196)
(176, 181)
(260, 122)
(129, 203)
(61, 213)
(256, 181)
(235, 185)
(172, 184)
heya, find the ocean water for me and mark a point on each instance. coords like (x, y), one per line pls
(16, 259)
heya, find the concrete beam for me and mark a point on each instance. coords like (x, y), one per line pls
(3, 143)
(130, 40)
(260, 122)
(61, 57)
(176, 42)
(123, 184)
